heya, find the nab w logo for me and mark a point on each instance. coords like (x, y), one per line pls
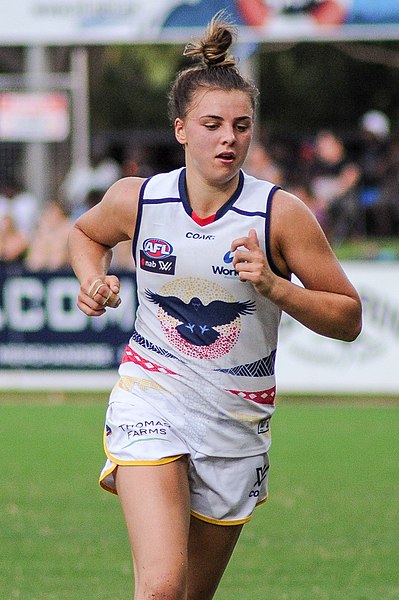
(157, 265)
(165, 266)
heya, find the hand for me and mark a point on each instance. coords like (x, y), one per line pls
(98, 293)
(251, 264)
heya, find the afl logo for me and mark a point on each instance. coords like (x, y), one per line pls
(156, 248)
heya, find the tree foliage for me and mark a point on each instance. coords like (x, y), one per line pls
(132, 86)
(318, 85)
(303, 87)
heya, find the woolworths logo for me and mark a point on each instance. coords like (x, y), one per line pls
(225, 271)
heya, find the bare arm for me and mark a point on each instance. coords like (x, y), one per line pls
(328, 303)
(92, 238)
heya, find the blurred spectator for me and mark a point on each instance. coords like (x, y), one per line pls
(22, 206)
(13, 241)
(92, 198)
(335, 183)
(80, 179)
(136, 163)
(382, 215)
(376, 124)
(373, 158)
(343, 214)
(261, 164)
(329, 171)
(48, 248)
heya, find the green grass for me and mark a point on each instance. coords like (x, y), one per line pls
(383, 248)
(329, 531)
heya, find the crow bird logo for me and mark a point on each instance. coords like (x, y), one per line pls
(197, 320)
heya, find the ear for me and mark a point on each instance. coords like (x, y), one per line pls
(180, 133)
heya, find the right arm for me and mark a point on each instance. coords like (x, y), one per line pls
(92, 238)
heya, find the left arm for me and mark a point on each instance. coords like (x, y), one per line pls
(328, 303)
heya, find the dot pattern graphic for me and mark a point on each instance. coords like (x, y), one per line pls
(207, 291)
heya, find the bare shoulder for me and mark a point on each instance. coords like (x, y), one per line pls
(124, 192)
(287, 206)
(293, 227)
(299, 245)
(113, 219)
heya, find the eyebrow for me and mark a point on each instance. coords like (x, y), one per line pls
(218, 118)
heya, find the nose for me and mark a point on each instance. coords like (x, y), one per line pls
(229, 135)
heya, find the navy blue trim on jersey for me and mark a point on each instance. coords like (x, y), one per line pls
(247, 213)
(139, 217)
(264, 367)
(270, 260)
(160, 200)
(223, 209)
(142, 341)
(141, 203)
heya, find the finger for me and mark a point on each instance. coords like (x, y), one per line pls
(237, 243)
(113, 283)
(112, 300)
(253, 241)
(93, 288)
(105, 300)
(98, 293)
(90, 308)
(250, 242)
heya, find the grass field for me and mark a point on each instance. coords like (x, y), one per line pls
(330, 530)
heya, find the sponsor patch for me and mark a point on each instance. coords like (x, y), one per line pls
(163, 266)
(157, 248)
(264, 425)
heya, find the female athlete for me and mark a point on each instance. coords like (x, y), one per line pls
(187, 429)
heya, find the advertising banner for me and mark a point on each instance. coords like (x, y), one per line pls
(42, 328)
(308, 362)
(47, 342)
(63, 22)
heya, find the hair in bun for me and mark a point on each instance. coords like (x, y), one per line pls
(215, 68)
(212, 49)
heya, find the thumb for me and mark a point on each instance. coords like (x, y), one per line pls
(113, 283)
(253, 237)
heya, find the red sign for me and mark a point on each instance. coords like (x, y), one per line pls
(34, 117)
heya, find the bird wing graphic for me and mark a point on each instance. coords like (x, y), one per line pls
(172, 305)
(215, 313)
(222, 313)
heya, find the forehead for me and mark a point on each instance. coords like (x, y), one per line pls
(222, 103)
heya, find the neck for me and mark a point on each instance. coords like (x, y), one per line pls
(205, 199)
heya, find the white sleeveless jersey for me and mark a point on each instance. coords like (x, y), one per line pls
(204, 344)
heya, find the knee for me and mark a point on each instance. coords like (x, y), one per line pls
(162, 586)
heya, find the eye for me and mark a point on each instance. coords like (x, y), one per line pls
(211, 126)
(242, 127)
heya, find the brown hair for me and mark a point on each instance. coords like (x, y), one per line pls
(216, 68)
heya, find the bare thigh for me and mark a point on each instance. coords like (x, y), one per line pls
(209, 551)
(155, 501)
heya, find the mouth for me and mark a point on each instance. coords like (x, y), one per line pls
(226, 157)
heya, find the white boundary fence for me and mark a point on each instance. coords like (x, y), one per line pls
(306, 362)
(370, 365)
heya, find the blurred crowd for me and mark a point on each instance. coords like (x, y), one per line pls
(350, 183)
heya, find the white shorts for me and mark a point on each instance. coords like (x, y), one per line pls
(223, 490)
